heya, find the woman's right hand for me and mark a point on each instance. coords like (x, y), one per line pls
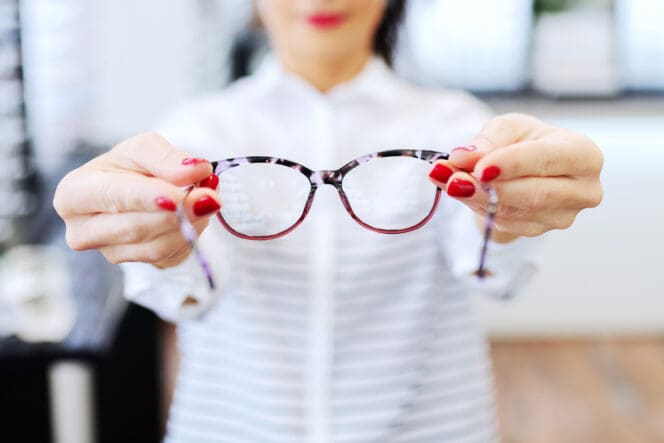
(123, 202)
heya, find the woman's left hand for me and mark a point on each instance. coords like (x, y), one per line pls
(543, 175)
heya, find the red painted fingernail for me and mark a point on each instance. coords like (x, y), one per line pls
(165, 203)
(469, 148)
(441, 173)
(460, 188)
(193, 161)
(490, 173)
(206, 206)
(211, 182)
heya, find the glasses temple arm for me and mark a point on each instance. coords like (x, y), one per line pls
(488, 228)
(189, 233)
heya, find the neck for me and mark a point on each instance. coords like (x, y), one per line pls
(325, 73)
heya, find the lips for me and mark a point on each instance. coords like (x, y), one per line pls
(325, 20)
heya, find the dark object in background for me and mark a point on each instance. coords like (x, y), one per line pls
(244, 52)
(117, 342)
(125, 385)
(542, 6)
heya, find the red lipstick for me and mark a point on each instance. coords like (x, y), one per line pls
(325, 20)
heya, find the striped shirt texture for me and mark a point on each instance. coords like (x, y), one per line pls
(332, 333)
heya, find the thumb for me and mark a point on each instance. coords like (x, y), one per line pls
(499, 132)
(152, 155)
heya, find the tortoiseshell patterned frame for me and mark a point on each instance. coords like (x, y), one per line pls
(334, 178)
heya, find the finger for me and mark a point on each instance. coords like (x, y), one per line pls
(153, 155)
(94, 232)
(201, 203)
(500, 131)
(441, 172)
(521, 228)
(90, 191)
(105, 230)
(525, 197)
(539, 223)
(464, 187)
(161, 249)
(548, 157)
(111, 192)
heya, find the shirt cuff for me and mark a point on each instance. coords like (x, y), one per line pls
(164, 291)
(509, 267)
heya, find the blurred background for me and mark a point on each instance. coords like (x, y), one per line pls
(578, 356)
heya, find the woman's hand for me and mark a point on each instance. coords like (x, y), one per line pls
(544, 175)
(123, 202)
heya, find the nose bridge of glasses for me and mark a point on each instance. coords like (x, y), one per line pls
(326, 177)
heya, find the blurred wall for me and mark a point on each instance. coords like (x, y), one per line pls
(144, 64)
(149, 57)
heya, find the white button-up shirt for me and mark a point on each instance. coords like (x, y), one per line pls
(333, 333)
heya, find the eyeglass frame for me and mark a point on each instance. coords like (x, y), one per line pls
(330, 177)
(333, 178)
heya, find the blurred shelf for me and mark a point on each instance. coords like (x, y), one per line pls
(641, 104)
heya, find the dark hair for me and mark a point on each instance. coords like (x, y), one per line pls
(387, 33)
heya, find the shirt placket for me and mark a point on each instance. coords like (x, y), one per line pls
(321, 306)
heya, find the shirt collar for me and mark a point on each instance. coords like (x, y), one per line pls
(373, 82)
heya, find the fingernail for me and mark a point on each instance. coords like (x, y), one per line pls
(206, 206)
(166, 204)
(211, 182)
(193, 161)
(441, 173)
(469, 148)
(460, 188)
(490, 173)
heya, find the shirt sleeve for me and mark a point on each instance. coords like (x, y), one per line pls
(510, 265)
(164, 291)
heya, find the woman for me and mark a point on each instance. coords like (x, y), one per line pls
(331, 333)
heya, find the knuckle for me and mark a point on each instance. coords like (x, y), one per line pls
(115, 260)
(532, 229)
(59, 204)
(150, 138)
(77, 237)
(595, 198)
(131, 234)
(564, 221)
(590, 159)
(112, 256)
(507, 212)
(152, 256)
(548, 161)
(597, 162)
(60, 196)
(108, 197)
(513, 119)
(523, 228)
(160, 251)
(539, 199)
(138, 233)
(182, 251)
(74, 240)
(137, 142)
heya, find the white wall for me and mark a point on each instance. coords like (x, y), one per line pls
(144, 64)
(150, 56)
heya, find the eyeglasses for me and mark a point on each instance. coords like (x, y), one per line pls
(388, 192)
